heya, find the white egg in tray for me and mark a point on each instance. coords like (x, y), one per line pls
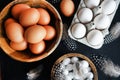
(92, 20)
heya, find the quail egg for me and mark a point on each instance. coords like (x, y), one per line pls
(66, 61)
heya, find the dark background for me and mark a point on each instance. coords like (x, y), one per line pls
(15, 70)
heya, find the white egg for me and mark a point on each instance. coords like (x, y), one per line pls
(89, 69)
(78, 77)
(66, 61)
(84, 64)
(92, 3)
(78, 30)
(108, 6)
(71, 74)
(89, 79)
(84, 71)
(90, 75)
(74, 59)
(62, 66)
(68, 78)
(85, 15)
(95, 37)
(102, 21)
(69, 67)
(65, 72)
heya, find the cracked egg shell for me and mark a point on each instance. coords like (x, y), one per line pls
(95, 37)
(78, 30)
(92, 3)
(102, 21)
(85, 15)
(108, 6)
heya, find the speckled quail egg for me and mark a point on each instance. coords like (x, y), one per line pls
(78, 30)
(85, 15)
(95, 37)
(102, 21)
(92, 3)
(108, 6)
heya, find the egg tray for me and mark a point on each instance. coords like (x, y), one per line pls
(89, 25)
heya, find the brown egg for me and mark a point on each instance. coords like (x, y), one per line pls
(50, 32)
(37, 48)
(67, 7)
(29, 17)
(9, 20)
(17, 9)
(14, 32)
(18, 46)
(44, 17)
(35, 34)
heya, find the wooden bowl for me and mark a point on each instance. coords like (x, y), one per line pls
(81, 57)
(26, 55)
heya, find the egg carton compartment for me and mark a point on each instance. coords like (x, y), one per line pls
(97, 16)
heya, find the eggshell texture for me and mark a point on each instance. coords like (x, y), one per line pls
(74, 59)
(18, 46)
(18, 8)
(78, 30)
(9, 20)
(68, 78)
(29, 17)
(66, 61)
(108, 6)
(95, 37)
(84, 64)
(102, 21)
(90, 75)
(44, 16)
(67, 7)
(84, 70)
(37, 48)
(85, 15)
(35, 34)
(92, 3)
(14, 32)
(69, 67)
(50, 32)
(65, 72)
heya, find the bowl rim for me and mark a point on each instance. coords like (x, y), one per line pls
(79, 55)
(3, 40)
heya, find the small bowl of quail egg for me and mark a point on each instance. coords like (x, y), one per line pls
(74, 66)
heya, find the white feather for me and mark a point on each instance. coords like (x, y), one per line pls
(114, 33)
(109, 68)
(33, 74)
(115, 30)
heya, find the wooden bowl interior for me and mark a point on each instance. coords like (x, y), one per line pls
(26, 55)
